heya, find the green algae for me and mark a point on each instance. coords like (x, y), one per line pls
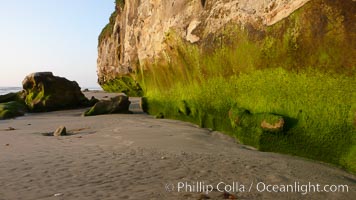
(109, 28)
(118, 104)
(315, 108)
(302, 69)
(11, 109)
(124, 84)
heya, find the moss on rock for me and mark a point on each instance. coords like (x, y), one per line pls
(11, 109)
(108, 29)
(125, 84)
(45, 92)
(250, 127)
(119, 104)
(293, 82)
(12, 97)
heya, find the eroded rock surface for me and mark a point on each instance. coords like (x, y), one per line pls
(118, 104)
(45, 92)
(138, 28)
(11, 109)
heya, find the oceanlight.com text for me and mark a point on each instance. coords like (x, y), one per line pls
(295, 187)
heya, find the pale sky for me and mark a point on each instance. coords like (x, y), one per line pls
(51, 35)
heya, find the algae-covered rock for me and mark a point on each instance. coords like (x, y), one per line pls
(183, 108)
(266, 121)
(118, 104)
(124, 84)
(237, 114)
(252, 126)
(11, 109)
(144, 104)
(45, 92)
(159, 116)
(11, 97)
(274, 126)
(93, 101)
(267, 56)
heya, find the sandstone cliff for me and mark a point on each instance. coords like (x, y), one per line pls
(138, 28)
(242, 67)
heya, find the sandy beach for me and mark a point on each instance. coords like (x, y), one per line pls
(135, 156)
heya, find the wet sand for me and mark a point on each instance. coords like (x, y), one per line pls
(138, 157)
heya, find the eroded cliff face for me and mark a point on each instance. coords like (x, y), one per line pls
(138, 28)
(277, 74)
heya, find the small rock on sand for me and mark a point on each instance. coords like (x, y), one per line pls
(60, 131)
(58, 194)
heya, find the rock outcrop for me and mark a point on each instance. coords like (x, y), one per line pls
(11, 97)
(11, 109)
(194, 59)
(45, 92)
(118, 104)
(12, 105)
(138, 29)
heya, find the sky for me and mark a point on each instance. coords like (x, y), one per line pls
(60, 36)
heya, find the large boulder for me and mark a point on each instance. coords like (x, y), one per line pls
(45, 92)
(118, 104)
(11, 109)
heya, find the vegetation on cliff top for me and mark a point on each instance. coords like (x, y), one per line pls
(109, 28)
(120, 3)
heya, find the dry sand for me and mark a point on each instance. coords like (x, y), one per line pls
(139, 157)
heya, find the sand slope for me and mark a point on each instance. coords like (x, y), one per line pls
(139, 157)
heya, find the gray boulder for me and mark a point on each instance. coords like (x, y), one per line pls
(118, 104)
